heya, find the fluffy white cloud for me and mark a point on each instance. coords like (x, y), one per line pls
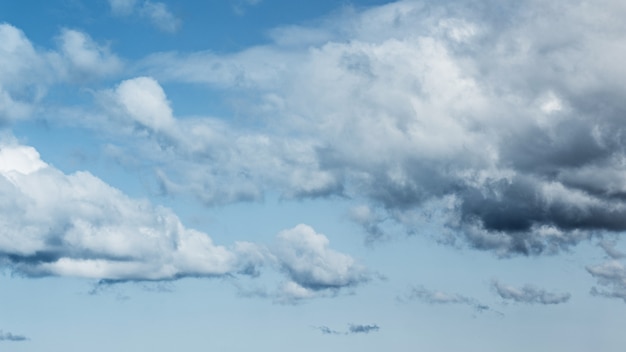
(312, 266)
(76, 225)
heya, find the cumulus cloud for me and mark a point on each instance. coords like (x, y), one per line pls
(529, 294)
(312, 267)
(155, 11)
(7, 336)
(409, 103)
(439, 297)
(56, 224)
(98, 232)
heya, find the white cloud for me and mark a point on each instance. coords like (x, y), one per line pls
(143, 100)
(122, 7)
(155, 11)
(160, 16)
(310, 263)
(85, 57)
(56, 224)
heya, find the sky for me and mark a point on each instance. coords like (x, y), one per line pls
(265, 175)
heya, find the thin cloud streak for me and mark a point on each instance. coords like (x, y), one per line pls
(529, 294)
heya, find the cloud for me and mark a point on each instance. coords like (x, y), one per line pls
(7, 336)
(56, 224)
(155, 11)
(27, 73)
(352, 329)
(529, 294)
(312, 267)
(85, 58)
(327, 331)
(439, 297)
(611, 274)
(409, 103)
(363, 329)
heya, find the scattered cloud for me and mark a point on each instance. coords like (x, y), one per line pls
(85, 58)
(352, 329)
(363, 329)
(611, 274)
(241, 6)
(7, 336)
(327, 331)
(155, 11)
(529, 294)
(439, 297)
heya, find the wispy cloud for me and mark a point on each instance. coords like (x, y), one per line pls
(428, 296)
(529, 294)
(155, 11)
(611, 274)
(352, 329)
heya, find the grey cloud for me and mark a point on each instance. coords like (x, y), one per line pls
(529, 294)
(327, 331)
(363, 329)
(610, 250)
(611, 274)
(7, 336)
(439, 297)
(352, 329)
(486, 109)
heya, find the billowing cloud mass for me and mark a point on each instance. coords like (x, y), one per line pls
(529, 294)
(76, 225)
(509, 118)
(7, 336)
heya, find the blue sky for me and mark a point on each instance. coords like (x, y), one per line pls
(333, 175)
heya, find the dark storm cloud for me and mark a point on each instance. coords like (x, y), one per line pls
(529, 294)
